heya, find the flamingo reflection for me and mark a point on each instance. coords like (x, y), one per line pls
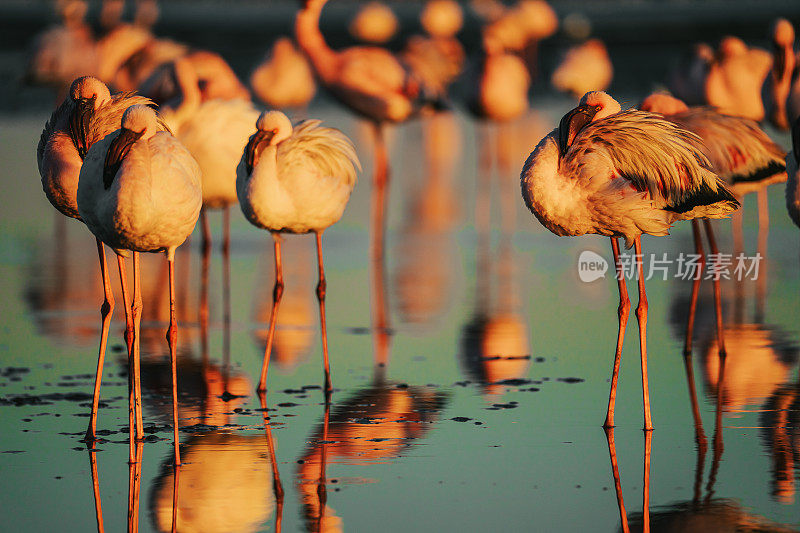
(780, 423)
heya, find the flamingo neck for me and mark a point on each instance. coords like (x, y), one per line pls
(311, 40)
(189, 89)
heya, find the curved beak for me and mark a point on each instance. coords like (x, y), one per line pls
(572, 123)
(255, 146)
(117, 151)
(79, 124)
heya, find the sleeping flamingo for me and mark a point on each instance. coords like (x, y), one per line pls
(620, 174)
(140, 191)
(86, 116)
(740, 153)
(295, 180)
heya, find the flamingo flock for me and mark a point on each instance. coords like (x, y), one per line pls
(141, 169)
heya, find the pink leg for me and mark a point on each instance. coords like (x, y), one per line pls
(273, 317)
(129, 340)
(276, 478)
(648, 436)
(137, 336)
(622, 313)
(172, 340)
(226, 291)
(98, 505)
(712, 242)
(698, 248)
(106, 312)
(321, 286)
(641, 315)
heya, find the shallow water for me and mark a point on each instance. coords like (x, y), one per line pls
(478, 408)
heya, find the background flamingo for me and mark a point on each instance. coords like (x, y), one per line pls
(284, 78)
(375, 23)
(618, 173)
(586, 67)
(793, 171)
(295, 180)
(140, 192)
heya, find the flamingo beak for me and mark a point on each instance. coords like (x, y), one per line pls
(117, 151)
(255, 146)
(572, 123)
(79, 124)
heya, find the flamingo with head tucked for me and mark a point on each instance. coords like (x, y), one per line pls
(295, 179)
(88, 114)
(740, 153)
(621, 174)
(140, 192)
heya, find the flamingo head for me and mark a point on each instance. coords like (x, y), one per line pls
(273, 127)
(87, 94)
(593, 106)
(663, 104)
(731, 46)
(139, 121)
(782, 44)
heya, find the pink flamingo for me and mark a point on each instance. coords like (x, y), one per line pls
(620, 174)
(87, 116)
(740, 153)
(284, 78)
(586, 67)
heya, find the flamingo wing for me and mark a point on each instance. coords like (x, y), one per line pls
(654, 155)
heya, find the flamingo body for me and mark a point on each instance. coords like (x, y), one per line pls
(585, 68)
(300, 184)
(154, 200)
(284, 78)
(624, 174)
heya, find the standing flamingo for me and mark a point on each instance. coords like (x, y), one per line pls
(740, 153)
(284, 78)
(620, 174)
(140, 192)
(375, 23)
(779, 82)
(585, 67)
(86, 116)
(295, 180)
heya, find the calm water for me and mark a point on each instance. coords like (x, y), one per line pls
(486, 412)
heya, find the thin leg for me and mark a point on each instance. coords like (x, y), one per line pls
(508, 193)
(718, 443)
(322, 485)
(612, 452)
(206, 228)
(123, 281)
(648, 442)
(276, 299)
(204, 268)
(698, 249)
(137, 336)
(226, 294)
(712, 242)
(622, 313)
(172, 340)
(98, 505)
(737, 224)
(380, 185)
(106, 311)
(641, 315)
(134, 488)
(176, 476)
(321, 286)
(763, 234)
(699, 434)
(484, 180)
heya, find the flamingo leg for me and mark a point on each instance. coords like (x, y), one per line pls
(203, 315)
(763, 234)
(379, 200)
(134, 488)
(641, 316)
(698, 248)
(699, 434)
(273, 317)
(176, 476)
(226, 293)
(612, 452)
(322, 485)
(98, 505)
(172, 340)
(137, 352)
(205, 226)
(123, 281)
(717, 443)
(321, 286)
(622, 313)
(106, 312)
(712, 242)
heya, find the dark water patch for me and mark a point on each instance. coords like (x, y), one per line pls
(461, 419)
(11, 371)
(571, 380)
(13, 451)
(227, 396)
(19, 400)
(288, 404)
(514, 382)
(498, 406)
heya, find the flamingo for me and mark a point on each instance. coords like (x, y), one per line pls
(284, 78)
(779, 82)
(140, 191)
(295, 180)
(687, 80)
(87, 116)
(793, 171)
(442, 18)
(740, 153)
(620, 174)
(375, 23)
(585, 68)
